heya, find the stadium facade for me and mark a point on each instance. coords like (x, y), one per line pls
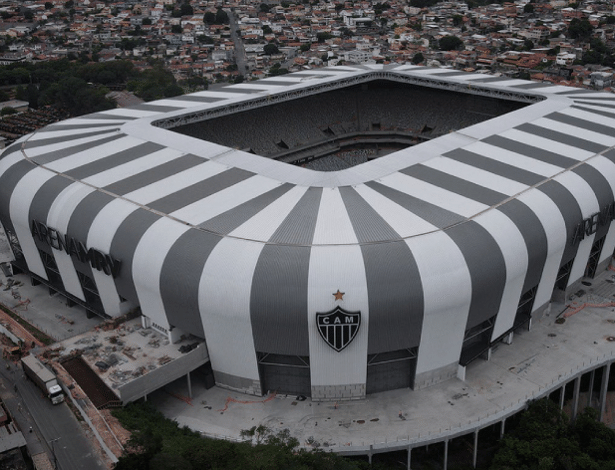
(394, 273)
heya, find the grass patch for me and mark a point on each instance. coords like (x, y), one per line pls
(38, 334)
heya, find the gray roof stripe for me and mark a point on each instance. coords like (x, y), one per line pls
(245, 91)
(491, 80)
(576, 91)
(433, 214)
(589, 103)
(103, 115)
(582, 123)
(367, 223)
(533, 233)
(198, 99)
(45, 196)
(601, 188)
(532, 85)
(494, 166)
(530, 151)
(8, 180)
(390, 268)
(278, 298)
(600, 112)
(81, 220)
(455, 184)
(156, 107)
(152, 175)
(70, 127)
(299, 225)
(181, 300)
(65, 152)
(228, 221)
(125, 241)
(561, 137)
(30, 144)
(570, 210)
(113, 160)
(10, 149)
(200, 190)
(488, 279)
(596, 96)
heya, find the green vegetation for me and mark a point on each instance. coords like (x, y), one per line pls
(159, 443)
(449, 43)
(546, 440)
(80, 86)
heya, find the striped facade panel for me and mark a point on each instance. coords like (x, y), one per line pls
(123, 247)
(81, 220)
(336, 263)
(487, 269)
(588, 204)
(180, 276)
(279, 291)
(447, 290)
(60, 212)
(606, 167)
(225, 288)
(515, 256)
(147, 262)
(100, 236)
(554, 226)
(21, 200)
(395, 293)
(534, 236)
(571, 212)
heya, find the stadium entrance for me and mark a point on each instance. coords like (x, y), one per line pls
(285, 374)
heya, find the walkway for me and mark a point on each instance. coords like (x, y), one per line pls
(535, 363)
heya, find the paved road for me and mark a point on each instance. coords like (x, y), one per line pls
(240, 52)
(49, 422)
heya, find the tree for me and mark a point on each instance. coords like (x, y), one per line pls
(418, 58)
(267, 29)
(305, 47)
(28, 15)
(457, 20)
(449, 43)
(48, 5)
(209, 18)
(528, 8)
(146, 21)
(68, 5)
(186, 10)
(271, 49)
(545, 439)
(221, 17)
(580, 28)
(264, 8)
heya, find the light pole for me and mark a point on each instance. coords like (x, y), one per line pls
(53, 451)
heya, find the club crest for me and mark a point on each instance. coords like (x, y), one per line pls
(338, 327)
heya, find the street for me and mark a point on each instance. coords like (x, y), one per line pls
(54, 428)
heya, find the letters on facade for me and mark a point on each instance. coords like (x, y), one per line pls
(98, 260)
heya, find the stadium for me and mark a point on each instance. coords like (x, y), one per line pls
(331, 233)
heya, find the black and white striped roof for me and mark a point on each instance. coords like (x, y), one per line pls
(210, 235)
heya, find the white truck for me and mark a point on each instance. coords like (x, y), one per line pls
(43, 377)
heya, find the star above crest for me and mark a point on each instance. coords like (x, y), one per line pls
(339, 295)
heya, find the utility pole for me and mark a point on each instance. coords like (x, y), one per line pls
(53, 451)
